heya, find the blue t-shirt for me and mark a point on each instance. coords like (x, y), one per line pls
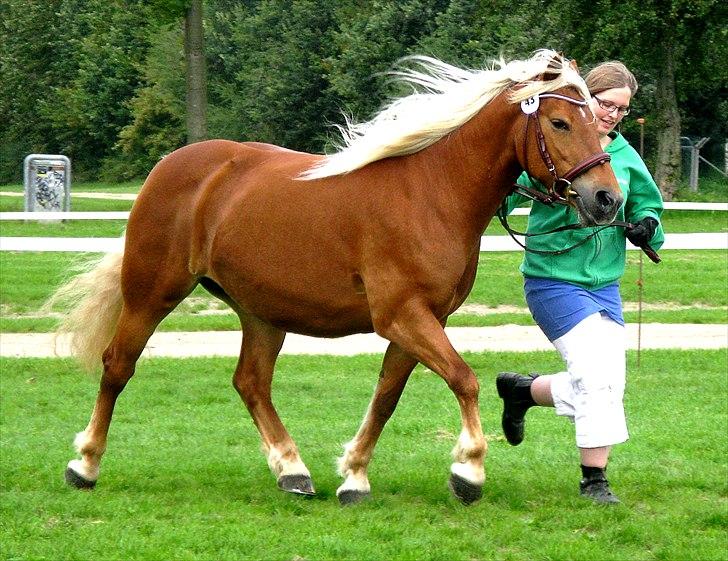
(557, 306)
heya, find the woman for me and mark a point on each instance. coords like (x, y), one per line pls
(574, 297)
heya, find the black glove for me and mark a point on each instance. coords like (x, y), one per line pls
(641, 233)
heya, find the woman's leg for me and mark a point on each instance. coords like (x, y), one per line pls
(590, 393)
(541, 393)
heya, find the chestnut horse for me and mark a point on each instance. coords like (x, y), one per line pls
(383, 236)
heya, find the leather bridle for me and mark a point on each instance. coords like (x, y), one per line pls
(553, 196)
(560, 189)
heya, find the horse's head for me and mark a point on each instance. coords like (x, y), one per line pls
(561, 148)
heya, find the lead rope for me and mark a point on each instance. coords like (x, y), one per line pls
(513, 233)
(502, 214)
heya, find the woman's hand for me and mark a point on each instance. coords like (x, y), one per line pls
(641, 233)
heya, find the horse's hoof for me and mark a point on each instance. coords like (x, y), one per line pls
(352, 496)
(78, 481)
(297, 484)
(465, 491)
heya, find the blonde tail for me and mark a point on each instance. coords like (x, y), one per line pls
(93, 300)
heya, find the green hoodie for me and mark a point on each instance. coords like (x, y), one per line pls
(600, 261)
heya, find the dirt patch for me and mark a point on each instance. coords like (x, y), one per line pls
(210, 307)
(483, 310)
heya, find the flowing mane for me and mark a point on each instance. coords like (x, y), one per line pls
(445, 97)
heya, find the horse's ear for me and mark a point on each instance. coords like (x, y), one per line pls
(554, 69)
(573, 65)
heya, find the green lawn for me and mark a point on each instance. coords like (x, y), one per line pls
(88, 186)
(183, 477)
(671, 293)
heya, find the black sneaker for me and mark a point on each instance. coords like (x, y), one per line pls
(515, 391)
(597, 489)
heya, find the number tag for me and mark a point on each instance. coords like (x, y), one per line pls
(530, 105)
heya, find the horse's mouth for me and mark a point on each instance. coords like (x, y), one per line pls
(586, 217)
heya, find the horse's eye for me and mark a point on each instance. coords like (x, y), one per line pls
(560, 125)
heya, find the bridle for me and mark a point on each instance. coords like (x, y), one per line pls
(560, 190)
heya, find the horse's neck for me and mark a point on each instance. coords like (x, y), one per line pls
(474, 168)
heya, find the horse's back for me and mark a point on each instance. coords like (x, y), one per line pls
(174, 189)
(186, 170)
(162, 221)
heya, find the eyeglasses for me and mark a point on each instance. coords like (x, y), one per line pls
(610, 107)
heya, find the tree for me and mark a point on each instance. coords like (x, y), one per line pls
(196, 73)
(472, 34)
(37, 55)
(158, 108)
(69, 67)
(270, 72)
(664, 43)
(106, 82)
(370, 42)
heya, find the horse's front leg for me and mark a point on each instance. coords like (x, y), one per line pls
(415, 330)
(396, 368)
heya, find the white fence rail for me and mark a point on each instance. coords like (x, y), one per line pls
(123, 215)
(487, 243)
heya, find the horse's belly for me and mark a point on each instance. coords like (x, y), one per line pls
(308, 314)
(308, 293)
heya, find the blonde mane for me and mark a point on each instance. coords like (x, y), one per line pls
(444, 98)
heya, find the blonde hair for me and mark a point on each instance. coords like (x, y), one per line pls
(445, 97)
(608, 75)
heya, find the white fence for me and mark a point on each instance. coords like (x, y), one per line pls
(487, 243)
(122, 215)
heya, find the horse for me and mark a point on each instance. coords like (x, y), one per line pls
(382, 235)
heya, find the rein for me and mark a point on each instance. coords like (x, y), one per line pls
(651, 253)
(530, 108)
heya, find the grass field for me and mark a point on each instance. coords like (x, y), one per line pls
(671, 292)
(183, 477)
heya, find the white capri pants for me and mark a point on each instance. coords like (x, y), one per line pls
(591, 392)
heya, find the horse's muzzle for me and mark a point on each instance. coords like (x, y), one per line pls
(597, 207)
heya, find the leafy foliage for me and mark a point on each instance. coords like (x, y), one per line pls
(267, 72)
(104, 81)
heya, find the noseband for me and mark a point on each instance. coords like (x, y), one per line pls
(560, 189)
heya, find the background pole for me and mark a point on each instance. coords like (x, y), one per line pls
(640, 280)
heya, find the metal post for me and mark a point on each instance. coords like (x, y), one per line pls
(641, 122)
(695, 162)
(640, 280)
(694, 154)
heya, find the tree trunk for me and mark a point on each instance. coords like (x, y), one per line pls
(196, 74)
(669, 160)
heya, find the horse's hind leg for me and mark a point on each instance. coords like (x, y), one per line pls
(396, 369)
(252, 379)
(119, 361)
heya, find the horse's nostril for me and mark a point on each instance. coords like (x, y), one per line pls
(605, 199)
